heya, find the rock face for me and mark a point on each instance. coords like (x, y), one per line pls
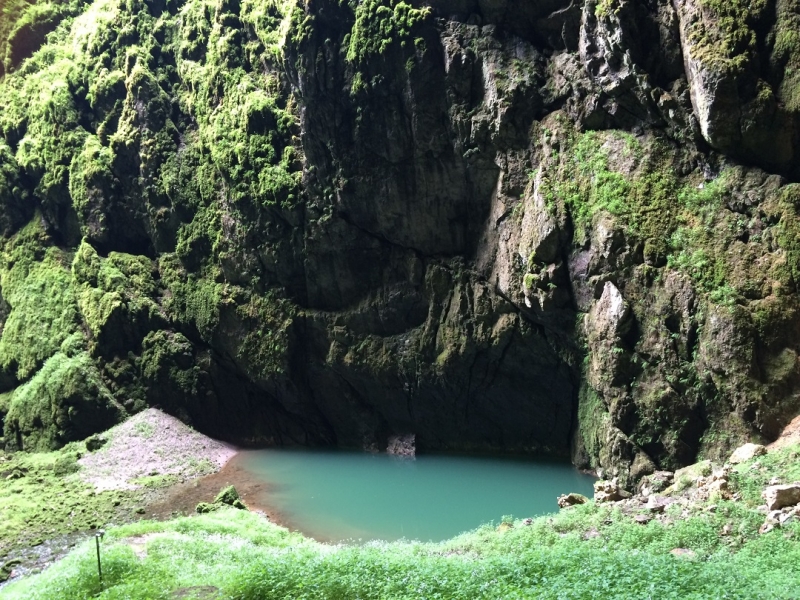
(739, 107)
(402, 445)
(562, 227)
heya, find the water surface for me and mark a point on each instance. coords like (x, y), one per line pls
(334, 495)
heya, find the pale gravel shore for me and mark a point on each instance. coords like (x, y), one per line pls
(152, 443)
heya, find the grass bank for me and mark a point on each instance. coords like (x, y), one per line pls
(588, 551)
(50, 500)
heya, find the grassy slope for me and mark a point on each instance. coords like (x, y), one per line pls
(47, 499)
(243, 556)
(47, 495)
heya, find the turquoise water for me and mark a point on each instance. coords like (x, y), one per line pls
(334, 496)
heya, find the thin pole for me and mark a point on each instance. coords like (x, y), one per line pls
(99, 568)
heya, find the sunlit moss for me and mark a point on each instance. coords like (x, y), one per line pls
(65, 401)
(37, 284)
(381, 23)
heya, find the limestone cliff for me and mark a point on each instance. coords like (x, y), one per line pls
(516, 226)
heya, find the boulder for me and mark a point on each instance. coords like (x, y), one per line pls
(658, 504)
(779, 496)
(737, 112)
(611, 316)
(206, 507)
(571, 499)
(718, 488)
(402, 445)
(609, 491)
(746, 452)
(229, 496)
(692, 472)
(657, 482)
(95, 442)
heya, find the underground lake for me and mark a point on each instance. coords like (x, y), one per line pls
(338, 495)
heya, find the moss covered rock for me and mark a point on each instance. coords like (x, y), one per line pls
(65, 401)
(544, 227)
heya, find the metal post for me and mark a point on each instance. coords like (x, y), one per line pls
(97, 537)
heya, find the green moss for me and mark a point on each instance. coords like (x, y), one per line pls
(593, 420)
(120, 289)
(14, 198)
(168, 132)
(678, 221)
(588, 182)
(530, 279)
(381, 23)
(37, 285)
(168, 360)
(204, 508)
(266, 345)
(726, 37)
(789, 231)
(65, 401)
(786, 53)
(91, 175)
(606, 7)
(5, 401)
(24, 25)
(194, 299)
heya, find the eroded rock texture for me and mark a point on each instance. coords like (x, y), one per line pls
(517, 226)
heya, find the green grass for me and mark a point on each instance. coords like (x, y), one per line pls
(243, 556)
(49, 499)
(753, 476)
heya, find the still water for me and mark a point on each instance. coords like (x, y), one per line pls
(335, 496)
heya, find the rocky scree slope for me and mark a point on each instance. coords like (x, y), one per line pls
(543, 226)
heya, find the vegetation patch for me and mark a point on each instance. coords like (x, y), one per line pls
(65, 401)
(42, 497)
(726, 36)
(37, 284)
(379, 24)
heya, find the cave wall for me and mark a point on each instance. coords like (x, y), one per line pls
(549, 226)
